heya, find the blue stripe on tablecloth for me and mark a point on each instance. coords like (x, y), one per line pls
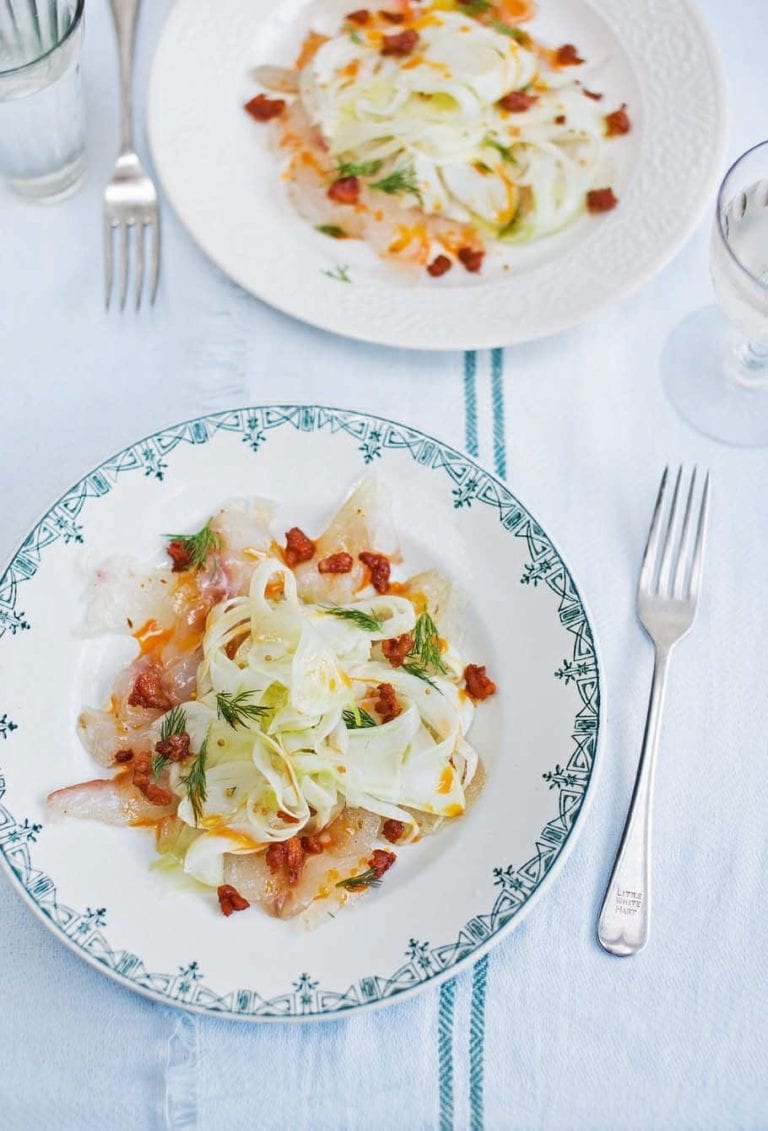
(470, 402)
(445, 1053)
(477, 1043)
(497, 397)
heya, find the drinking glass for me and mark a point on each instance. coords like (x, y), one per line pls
(715, 364)
(42, 120)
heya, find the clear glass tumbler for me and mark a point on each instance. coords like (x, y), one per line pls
(42, 118)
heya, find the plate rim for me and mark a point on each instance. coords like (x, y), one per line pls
(542, 885)
(558, 322)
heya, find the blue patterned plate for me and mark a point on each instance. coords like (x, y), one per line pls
(452, 895)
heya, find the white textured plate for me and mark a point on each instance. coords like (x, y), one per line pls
(222, 179)
(451, 895)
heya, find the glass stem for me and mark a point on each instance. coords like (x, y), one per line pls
(751, 363)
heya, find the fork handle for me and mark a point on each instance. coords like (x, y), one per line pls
(625, 919)
(125, 13)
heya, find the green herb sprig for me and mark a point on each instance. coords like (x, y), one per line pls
(399, 181)
(475, 7)
(332, 230)
(367, 879)
(236, 710)
(516, 33)
(365, 621)
(357, 718)
(420, 672)
(199, 546)
(359, 169)
(426, 644)
(195, 780)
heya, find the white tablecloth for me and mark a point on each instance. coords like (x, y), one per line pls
(549, 1032)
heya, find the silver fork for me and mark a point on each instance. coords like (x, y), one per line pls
(130, 201)
(667, 596)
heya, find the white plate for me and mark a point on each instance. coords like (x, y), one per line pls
(222, 179)
(451, 895)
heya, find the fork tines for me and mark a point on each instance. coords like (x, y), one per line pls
(131, 234)
(673, 554)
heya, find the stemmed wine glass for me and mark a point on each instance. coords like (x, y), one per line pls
(715, 363)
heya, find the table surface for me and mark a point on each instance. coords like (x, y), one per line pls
(549, 1032)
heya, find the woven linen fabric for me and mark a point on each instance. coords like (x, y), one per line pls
(546, 1031)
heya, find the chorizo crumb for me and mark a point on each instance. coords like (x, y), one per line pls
(617, 123)
(471, 258)
(231, 900)
(122, 756)
(286, 856)
(142, 779)
(397, 649)
(336, 563)
(360, 16)
(298, 548)
(379, 566)
(391, 17)
(439, 266)
(180, 554)
(312, 844)
(392, 830)
(560, 120)
(287, 817)
(387, 703)
(263, 109)
(381, 861)
(148, 690)
(401, 44)
(517, 101)
(175, 748)
(345, 190)
(593, 94)
(601, 200)
(568, 56)
(479, 684)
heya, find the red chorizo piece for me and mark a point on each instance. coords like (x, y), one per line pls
(517, 101)
(401, 44)
(298, 548)
(379, 566)
(593, 94)
(231, 900)
(287, 817)
(601, 200)
(180, 555)
(439, 266)
(560, 120)
(123, 756)
(479, 685)
(381, 861)
(175, 748)
(397, 649)
(391, 17)
(336, 563)
(263, 109)
(360, 16)
(471, 258)
(568, 56)
(392, 831)
(312, 844)
(286, 856)
(387, 703)
(148, 690)
(142, 779)
(618, 122)
(345, 190)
